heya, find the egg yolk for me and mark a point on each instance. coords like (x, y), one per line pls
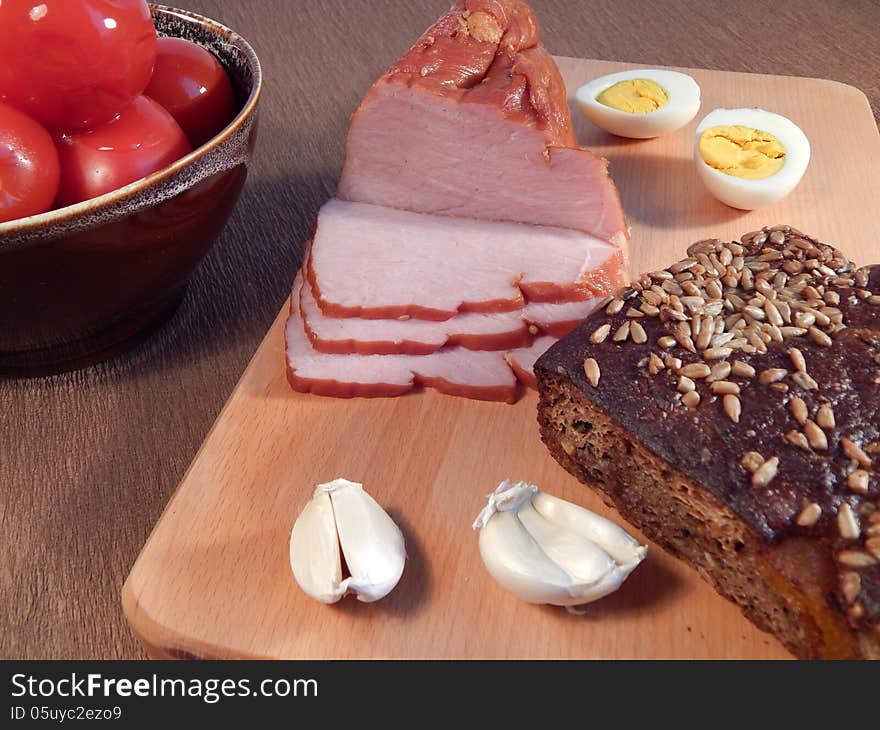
(742, 151)
(634, 96)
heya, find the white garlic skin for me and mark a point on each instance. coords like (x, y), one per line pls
(546, 550)
(343, 520)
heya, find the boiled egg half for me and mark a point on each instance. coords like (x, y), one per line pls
(641, 103)
(750, 158)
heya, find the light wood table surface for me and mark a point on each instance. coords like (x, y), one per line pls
(89, 459)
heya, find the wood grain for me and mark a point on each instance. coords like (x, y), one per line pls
(89, 460)
(214, 578)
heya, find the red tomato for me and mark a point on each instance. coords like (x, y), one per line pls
(141, 139)
(75, 63)
(28, 166)
(191, 84)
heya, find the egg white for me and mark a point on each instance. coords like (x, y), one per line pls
(745, 194)
(681, 107)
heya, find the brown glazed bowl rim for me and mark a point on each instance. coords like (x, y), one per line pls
(23, 231)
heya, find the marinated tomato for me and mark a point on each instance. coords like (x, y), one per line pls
(28, 166)
(191, 84)
(140, 140)
(75, 64)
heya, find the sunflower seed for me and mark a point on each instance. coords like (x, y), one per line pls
(696, 370)
(773, 375)
(809, 515)
(600, 334)
(742, 370)
(850, 585)
(765, 473)
(797, 359)
(591, 370)
(815, 435)
(751, 460)
(724, 387)
(854, 452)
(720, 371)
(717, 353)
(614, 306)
(825, 417)
(819, 337)
(799, 410)
(848, 523)
(858, 481)
(691, 399)
(805, 381)
(796, 438)
(856, 559)
(666, 342)
(732, 407)
(685, 384)
(622, 334)
(638, 334)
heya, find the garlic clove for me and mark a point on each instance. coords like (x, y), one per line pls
(546, 550)
(583, 560)
(620, 545)
(314, 551)
(372, 543)
(514, 558)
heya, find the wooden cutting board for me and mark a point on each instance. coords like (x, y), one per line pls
(214, 581)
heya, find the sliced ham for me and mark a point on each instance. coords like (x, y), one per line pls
(380, 263)
(484, 375)
(473, 122)
(522, 360)
(474, 331)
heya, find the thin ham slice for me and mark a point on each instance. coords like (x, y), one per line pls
(471, 330)
(473, 122)
(483, 375)
(380, 263)
(522, 360)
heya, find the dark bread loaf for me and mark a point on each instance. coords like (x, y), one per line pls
(729, 406)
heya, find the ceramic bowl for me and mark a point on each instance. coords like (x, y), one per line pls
(83, 283)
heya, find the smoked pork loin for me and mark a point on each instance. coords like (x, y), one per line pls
(473, 122)
(482, 374)
(470, 229)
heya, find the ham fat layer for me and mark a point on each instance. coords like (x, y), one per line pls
(380, 263)
(471, 330)
(484, 375)
(474, 122)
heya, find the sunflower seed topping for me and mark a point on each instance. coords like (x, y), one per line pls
(825, 417)
(797, 359)
(591, 370)
(815, 435)
(638, 334)
(856, 559)
(796, 438)
(752, 460)
(809, 515)
(765, 473)
(622, 334)
(773, 375)
(854, 452)
(850, 586)
(600, 334)
(696, 370)
(857, 481)
(848, 523)
(742, 370)
(732, 407)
